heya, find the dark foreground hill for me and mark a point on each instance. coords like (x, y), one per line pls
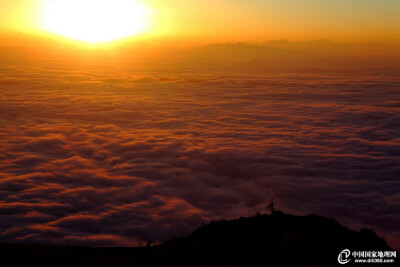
(263, 240)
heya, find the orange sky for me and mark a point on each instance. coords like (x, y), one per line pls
(238, 20)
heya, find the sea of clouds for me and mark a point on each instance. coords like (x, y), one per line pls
(116, 154)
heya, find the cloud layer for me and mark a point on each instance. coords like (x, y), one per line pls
(116, 155)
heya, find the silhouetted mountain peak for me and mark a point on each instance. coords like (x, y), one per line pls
(306, 240)
(277, 239)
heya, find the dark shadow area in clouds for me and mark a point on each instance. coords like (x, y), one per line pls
(115, 154)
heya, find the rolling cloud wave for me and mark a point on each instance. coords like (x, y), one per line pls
(115, 156)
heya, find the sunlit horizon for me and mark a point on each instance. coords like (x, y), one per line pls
(206, 21)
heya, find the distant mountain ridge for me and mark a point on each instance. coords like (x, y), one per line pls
(158, 52)
(263, 240)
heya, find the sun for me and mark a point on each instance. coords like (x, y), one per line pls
(94, 21)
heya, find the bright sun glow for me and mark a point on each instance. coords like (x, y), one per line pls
(94, 20)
